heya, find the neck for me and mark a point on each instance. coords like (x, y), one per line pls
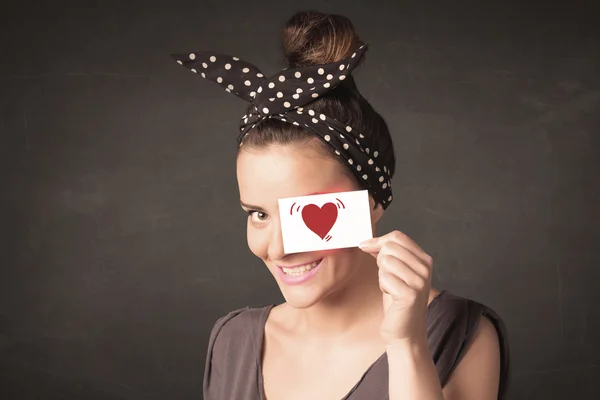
(348, 311)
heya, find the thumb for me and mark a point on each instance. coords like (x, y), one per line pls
(370, 246)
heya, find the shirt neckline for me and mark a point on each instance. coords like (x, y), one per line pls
(261, 341)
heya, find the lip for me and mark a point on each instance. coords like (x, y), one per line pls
(297, 265)
(297, 280)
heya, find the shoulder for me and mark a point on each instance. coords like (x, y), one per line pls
(455, 325)
(236, 320)
(237, 328)
(234, 344)
(448, 312)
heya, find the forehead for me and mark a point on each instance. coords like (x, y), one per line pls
(280, 171)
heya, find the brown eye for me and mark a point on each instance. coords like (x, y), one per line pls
(258, 216)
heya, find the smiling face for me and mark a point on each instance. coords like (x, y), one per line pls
(281, 171)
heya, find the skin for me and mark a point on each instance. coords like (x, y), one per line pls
(363, 301)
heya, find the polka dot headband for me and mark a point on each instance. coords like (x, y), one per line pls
(286, 96)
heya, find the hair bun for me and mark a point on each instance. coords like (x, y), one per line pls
(312, 37)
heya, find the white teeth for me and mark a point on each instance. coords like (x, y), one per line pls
(296, 271)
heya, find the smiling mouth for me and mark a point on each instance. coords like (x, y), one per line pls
(301, 269)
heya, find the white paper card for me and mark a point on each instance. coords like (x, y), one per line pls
(325, 221)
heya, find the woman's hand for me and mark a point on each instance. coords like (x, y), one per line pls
(405, 280)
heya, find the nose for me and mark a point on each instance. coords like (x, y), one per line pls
(275, 250)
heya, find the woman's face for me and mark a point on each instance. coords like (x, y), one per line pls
(266, 175)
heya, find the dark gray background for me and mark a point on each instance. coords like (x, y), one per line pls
(122, 237)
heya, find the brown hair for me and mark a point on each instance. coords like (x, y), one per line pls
(312, 38)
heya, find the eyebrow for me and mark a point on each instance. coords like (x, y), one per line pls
(257, 208)
(251, 207)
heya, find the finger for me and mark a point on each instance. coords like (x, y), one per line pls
(391, 265)
(408, 257)
(396, 236)
(392, 285)
(374, 245)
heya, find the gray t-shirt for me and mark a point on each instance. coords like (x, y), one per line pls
(233, 363)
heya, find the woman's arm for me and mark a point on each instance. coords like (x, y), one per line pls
(477, 375)
(412, 373)
(405, 281)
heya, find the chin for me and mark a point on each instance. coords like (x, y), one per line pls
(301, 299)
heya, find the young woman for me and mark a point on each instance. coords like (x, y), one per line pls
(358, 323)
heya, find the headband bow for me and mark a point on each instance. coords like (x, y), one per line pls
(283, 97)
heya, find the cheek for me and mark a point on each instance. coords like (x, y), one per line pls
(257, 241)
(343, 260)
(347, 262)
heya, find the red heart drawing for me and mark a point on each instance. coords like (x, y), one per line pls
(320, 220)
